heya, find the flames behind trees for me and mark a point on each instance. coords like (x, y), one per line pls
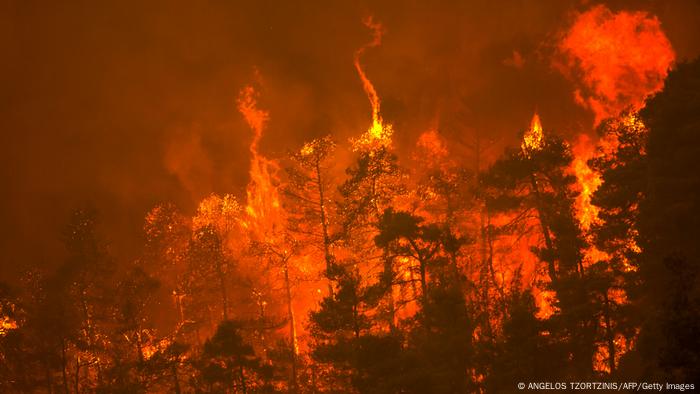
(431, 268)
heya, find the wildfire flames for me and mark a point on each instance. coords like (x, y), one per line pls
(588, 180)
(378, 134)
(392, 243)
(263, 205)
(622, 58)
(533, 139)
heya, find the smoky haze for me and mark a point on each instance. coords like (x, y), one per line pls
(122, 105)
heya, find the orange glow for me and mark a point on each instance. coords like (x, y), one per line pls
(623, 58)
(378, 134)
(432, 145)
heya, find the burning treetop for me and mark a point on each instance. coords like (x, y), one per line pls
(533, 140)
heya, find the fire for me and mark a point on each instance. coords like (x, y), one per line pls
(150, 349)
(266, 215)
(623, 58)
(7, 324)
(378, 134)
(263, 206)
(544, 299)
(533, 140)
(588, 181)
(308, 149)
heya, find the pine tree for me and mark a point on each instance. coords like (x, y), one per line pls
(228, 362)
(342, 328)
(669, 229)
(309, 192)
(534, 180)
(374, 183)
(620, 161)
(205, 284)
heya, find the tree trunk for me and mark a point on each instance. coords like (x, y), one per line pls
(223, 289)
(609, 333)
(545, 229)
(389, 271)
(176, 380)
(324, 227)
(77, 375)
(49, 380)
(292, 325)
(64, 365)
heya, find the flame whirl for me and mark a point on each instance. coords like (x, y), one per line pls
(263, 204)
(378, 134)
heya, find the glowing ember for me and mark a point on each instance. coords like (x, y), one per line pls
(623, 56)
(7, 324)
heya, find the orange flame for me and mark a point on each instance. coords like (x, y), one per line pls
(7, 324)
(263, 206)
(533, 140)
(623, 57)
(544, 299)
(378, 133)
(588, 181)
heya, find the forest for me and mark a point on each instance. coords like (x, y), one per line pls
(352, 266)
